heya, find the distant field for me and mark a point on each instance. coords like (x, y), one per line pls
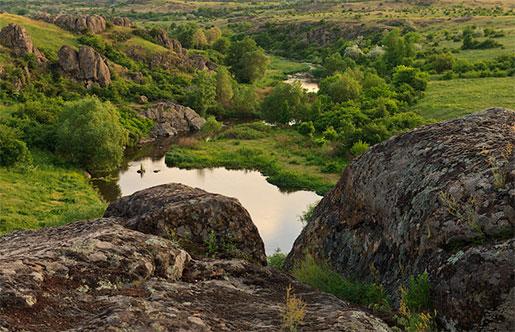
(454, 98)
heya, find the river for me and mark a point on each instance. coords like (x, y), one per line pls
(275, 213)
(307, 81)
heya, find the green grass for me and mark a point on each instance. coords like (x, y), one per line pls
(454, 98)
(46, 195)
(320, 276)
(44, 35)
(288, 159)
(279, 70)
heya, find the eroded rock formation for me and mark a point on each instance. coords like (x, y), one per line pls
(102, 275)
(122, 21)
(16, 38)
(439, 199)
(172, 120)
(80, 23)
(85, 65)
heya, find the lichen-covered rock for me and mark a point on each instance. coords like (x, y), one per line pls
(439, 199)
(85, 65)
(16, 38)
(122, 21)
(194, 217)
(103, 276)
(79, 23)
(172, 120)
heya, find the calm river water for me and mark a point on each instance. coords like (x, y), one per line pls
(275, 213)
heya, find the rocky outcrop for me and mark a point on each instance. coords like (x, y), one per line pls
(80, 23)
(104, 276)
(122, 21)
(192, 217)
(172, 120)
(438, 199)
(16, 38)
(84, 65)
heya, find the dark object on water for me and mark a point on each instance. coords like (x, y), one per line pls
(157, 170)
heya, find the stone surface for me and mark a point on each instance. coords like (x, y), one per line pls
(122, 21)
(79, 23)
(85, 65)
(16, 38)
(172, 119)
(191, 216)
(440, 198)
(102, 276)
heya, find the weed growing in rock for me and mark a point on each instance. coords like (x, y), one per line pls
(465, 212)
(415, 305)
(308, 214)
(211, 244)
(294, 311)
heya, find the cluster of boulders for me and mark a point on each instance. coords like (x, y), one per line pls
(86, 65)
(76, 23)
(439, 199)
(172, 119)
(129, 271)
(122, 21)
(17, 39)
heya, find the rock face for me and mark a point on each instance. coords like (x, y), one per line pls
(80, 23)
(16, 38)
(122, 21)
(172, 120)
(440, 198)
(191, 216)
(85, 65)
(103, 276)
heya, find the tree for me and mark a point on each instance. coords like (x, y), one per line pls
(213, 34)
(12, 150)
(285, 103)
(202, 94)
(90, 134)
(398, 48)
(198, 39)
(411, 76)
(340, 88)
(248, 62)
(224, 90)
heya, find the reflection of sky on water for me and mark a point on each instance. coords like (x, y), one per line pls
(275, 213)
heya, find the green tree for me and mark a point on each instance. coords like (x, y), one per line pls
(411, 76)
(224, 84)
(199, 39)
(248, 61)
(202, 94)
(340, 88)
(222, 45)
(12, 150)
(285, 103)
(398, 48)
(90, 134)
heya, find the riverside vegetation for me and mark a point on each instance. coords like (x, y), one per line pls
(383, 68)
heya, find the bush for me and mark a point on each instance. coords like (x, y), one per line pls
(12, 150)
(411, 76)
(211, 126)
(276, 260)
(340, 88)
(90, 134)
(306, 128)
(359, 148)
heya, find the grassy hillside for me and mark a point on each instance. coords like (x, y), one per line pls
(454, 98)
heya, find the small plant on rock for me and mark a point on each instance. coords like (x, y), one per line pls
(294, 311)
(415, 306)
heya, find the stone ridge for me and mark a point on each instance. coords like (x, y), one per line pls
(440, 198)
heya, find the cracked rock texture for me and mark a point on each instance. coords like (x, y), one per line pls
(86, 65)
(439, 199)
(112, 274)
(16, 38)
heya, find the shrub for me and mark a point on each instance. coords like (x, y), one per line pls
(211, 126)
(12, 150)
(307, 215)
(276, 260)
(340, 88)
(90, 134)
(415, 305)
(306, 128)
(285, 103)
(411, 76)
(294, 311)
(359, 148)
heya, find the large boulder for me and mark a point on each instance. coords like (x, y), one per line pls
(16, 38)
(172, 119)
(80, 23)
(85, 65)
(438, 199)
(122, 21)
(193, 217)
(103, 276)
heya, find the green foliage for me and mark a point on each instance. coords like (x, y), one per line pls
(306, 128)
(416, 296)
(285, 103)
(224, 87)
(359, 148)
(307, 215)
(211, 126)
(202, 93)
(137, 127)
(411, 76)
(276, 260)
(90, 134)
(340, 87)
(248, 61)
(398, 49)
(469, 43)
(320, 276)
(12, 150)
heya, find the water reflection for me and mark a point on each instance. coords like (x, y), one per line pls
(275, 213)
